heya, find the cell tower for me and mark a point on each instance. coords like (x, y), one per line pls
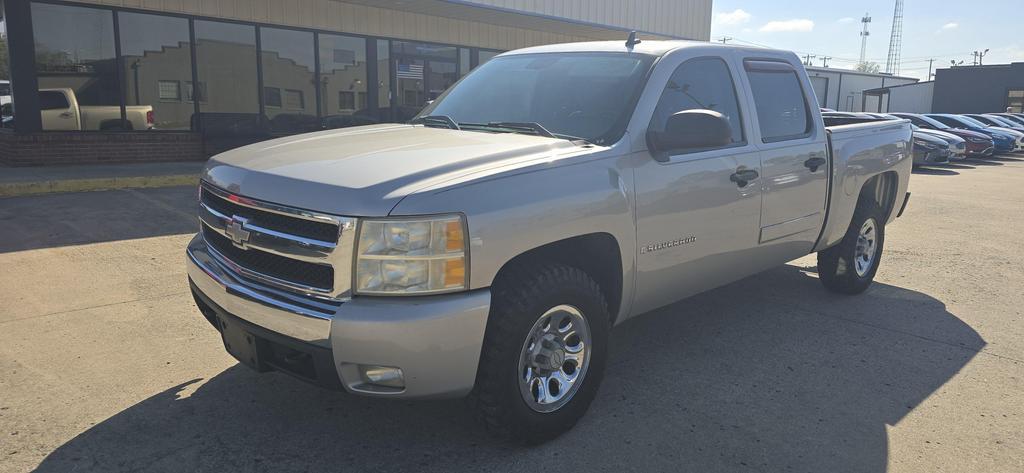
(892, 64)
(864, 38)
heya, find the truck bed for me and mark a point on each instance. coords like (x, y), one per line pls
(858, 151)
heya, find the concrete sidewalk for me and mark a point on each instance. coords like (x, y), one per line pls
(20, 181)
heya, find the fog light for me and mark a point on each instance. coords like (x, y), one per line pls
(382, 376)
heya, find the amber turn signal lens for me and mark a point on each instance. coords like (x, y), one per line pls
(454, 239)
(455, 272)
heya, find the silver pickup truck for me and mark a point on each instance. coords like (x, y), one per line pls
(487, 248)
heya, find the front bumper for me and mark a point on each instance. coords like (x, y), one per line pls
(931, 156)
(435, 340)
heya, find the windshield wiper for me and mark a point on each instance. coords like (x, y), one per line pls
(427, 119)
(537, 128)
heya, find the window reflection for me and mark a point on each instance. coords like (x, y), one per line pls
(343, 82)
(289, 93)
(383, 80)
(76, 70)
(227, 89)
(156, 67)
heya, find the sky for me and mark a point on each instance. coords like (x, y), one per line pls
(943, 30)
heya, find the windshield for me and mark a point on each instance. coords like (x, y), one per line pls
(971, 121)
(585, 95)
(933, 122)
(1003, 122)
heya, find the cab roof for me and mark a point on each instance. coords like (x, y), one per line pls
(651, 47)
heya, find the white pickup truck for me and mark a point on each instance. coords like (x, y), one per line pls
(60, 110)
(487, 248)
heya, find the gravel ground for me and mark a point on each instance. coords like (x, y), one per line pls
(106, 365)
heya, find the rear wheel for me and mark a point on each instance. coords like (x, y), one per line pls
(850, 266)
(544, 353)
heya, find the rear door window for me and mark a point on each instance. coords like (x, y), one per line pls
(782, 110)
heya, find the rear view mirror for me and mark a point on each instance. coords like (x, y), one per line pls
(690, 130)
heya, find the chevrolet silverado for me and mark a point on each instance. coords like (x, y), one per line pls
(486, 248)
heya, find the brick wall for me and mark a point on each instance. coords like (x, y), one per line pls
(59, 148)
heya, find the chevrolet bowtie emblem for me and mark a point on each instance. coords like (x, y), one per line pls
(235, 230)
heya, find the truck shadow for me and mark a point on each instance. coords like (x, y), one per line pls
(770, 373)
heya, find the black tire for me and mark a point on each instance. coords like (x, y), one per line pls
(519, 298)
(836, 269)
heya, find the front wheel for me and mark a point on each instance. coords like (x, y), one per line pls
(544, 353)
(850, 266)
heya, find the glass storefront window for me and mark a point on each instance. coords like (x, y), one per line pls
(384, 80)
(74, 56)
(343, 99)
(464, 63)
(156, 65)
(289, 68)
(227, 90)
(422, 73)
(486, 55)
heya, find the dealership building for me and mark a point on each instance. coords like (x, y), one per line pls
(961, 89)
(158, 80)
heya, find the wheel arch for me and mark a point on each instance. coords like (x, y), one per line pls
(597, 254)
(880, 189)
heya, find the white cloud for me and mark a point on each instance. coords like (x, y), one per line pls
(735, 17)
(950, 26)
(797, 25)
(846, 20)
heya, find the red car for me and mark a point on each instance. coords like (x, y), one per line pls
(978, 144)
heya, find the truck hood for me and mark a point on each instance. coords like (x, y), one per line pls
(366, 171)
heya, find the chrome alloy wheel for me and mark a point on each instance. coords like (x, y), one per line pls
(554, 358)
(864, 258)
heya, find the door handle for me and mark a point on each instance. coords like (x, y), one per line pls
(742, 177)
(65, 115)
(814, 163)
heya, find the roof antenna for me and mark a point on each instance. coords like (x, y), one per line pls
(632, 40)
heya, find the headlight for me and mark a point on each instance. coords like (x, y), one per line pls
(923, 144)
(412, 256)
(976, 139)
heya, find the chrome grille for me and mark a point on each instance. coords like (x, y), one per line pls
(277, 246)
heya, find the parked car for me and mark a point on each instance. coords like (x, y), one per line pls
(487, 248)
(957, 145)
(930, 149)
(60, 110)
(1017, 119)
(996, 123)
(977, 144)
(1004, 142)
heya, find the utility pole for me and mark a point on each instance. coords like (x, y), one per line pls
(979, 57)
(930, 61)
(807, 59)
(725, 39)
(824, 60)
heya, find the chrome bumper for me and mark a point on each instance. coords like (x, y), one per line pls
(435, 340)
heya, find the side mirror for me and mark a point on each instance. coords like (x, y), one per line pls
(690, 130)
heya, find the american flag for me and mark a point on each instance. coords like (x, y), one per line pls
(410, 71)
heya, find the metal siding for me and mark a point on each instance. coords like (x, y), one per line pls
(669, 17)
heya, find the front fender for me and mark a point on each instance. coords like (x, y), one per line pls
(512, 212)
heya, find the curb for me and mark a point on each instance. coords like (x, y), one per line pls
(18, 189)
